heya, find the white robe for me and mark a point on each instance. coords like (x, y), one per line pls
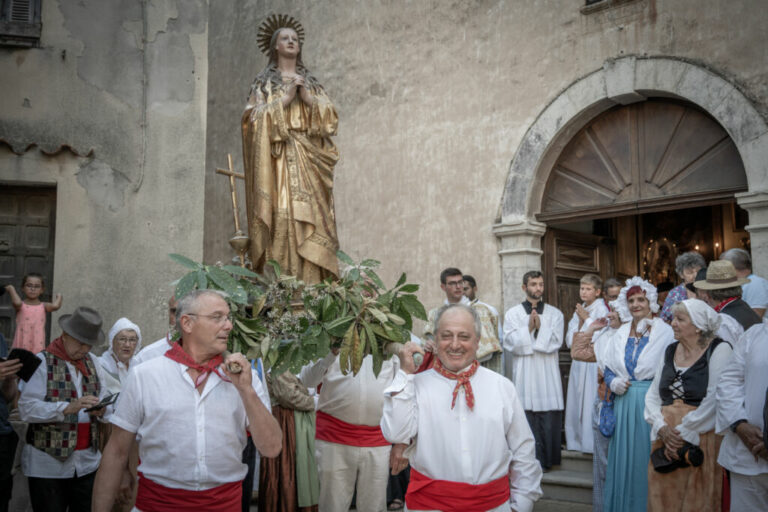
(582, 386)
(459, 444)
(535, 365)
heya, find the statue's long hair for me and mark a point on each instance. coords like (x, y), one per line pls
(271, 74)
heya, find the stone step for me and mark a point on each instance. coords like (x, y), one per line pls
(545, 505)
(567, 485)
(576, 461)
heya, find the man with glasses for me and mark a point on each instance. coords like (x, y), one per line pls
(452, 284)
(161, 346)
(190, 412)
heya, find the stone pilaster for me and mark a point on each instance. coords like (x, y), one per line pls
(520, 250)
(756, 204)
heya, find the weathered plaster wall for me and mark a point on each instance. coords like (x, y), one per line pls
(435, 97)
(124, 84)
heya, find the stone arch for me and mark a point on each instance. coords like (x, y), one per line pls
(624, 81)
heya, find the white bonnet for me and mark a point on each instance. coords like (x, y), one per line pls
(620, 304)
(121, 325)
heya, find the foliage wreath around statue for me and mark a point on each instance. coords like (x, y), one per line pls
(288, 323)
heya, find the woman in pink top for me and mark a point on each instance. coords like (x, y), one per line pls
(30, 313)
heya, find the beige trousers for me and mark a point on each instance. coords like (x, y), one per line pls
(341, 468)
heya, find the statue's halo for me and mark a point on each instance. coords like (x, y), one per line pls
(275, 22)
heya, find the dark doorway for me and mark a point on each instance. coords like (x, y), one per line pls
(27, 233)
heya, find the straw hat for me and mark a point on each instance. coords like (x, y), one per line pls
(720, 274)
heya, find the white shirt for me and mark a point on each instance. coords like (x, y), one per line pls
(188, 440)
(535, 364)
(115, 368)
(700, 420)
(741, 395)
(156, 349)
(34, 409)
(660, 336)
(755, 292)
(463, 445)
(355, 399)
(730, 329)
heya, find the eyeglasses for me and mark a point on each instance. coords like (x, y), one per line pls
(217, 318)
(33, 286)
(454, 283)
(127, 341)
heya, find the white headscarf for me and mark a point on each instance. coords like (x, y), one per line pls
(109, 361)
(620, 304)
(702, 316)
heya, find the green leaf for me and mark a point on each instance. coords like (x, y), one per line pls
(370, 263)
(275, 267)
(346, 259)
(183, 260)
(358, 349)
(381, 317)
(395, 319)
(413, 306)
(339, 326)
(354, 274)
(409, 288)
(401, 280)
(378, 360)
(240, 271)
(374, 277)
(223, 280)
(202, 280)
(186, 284)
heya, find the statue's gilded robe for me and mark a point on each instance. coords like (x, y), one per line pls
(289, 159)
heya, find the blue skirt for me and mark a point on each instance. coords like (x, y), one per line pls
(626, 482)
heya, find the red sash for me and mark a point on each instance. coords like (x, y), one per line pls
(333, 430)
(83, 436)
(153, 497)
(427, 494)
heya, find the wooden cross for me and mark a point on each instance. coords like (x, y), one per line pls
(232, 175)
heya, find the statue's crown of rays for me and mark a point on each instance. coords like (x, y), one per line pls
(275, 22)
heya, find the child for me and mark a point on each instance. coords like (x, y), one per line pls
(582, 382)
(30, 313)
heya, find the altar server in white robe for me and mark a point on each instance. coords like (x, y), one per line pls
(470, 444)
(533, 333)
(582, 380)
(741, 395)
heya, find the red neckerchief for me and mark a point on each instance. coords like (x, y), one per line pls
(720, 306)
(176, 353)
(57, 348)
(462, 380)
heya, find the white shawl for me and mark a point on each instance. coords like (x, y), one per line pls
(661, 335)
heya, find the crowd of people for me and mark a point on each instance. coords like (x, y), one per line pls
(668, 395)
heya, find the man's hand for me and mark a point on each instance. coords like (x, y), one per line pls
(750, 435)
(125, 491)
(9, 368)
(534, 322)
(406, 357)
(397, 462)
(429, 344)
(83, 402)
(241, 380)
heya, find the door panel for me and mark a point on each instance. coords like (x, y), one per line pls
(27, 227)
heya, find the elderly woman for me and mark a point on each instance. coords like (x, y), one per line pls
(124, 342)
(687, 265)
(680, 407)
(631, 358)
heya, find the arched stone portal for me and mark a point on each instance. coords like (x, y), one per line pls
(622, 82)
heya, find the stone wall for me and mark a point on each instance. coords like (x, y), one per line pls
(110, 109)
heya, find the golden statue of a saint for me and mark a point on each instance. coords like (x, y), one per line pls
(289, 157)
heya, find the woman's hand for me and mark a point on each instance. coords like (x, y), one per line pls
(620, 385)
(672, 441)
(304, 93)
(613, 320)
(290, 90)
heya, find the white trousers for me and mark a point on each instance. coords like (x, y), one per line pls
(749, 493)
(502, 508)
(341, 468)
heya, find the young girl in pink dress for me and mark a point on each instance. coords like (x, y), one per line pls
(30, 313)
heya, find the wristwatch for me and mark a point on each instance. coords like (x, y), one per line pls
(735, 424)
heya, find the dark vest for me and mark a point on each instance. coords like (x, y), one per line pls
(58, 439)
(695, 379)
(743, 314)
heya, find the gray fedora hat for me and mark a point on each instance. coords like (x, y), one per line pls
(84, 324)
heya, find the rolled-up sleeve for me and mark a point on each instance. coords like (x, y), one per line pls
(400, 418)
(129, 412)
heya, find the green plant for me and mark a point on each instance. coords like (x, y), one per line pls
(289, 323)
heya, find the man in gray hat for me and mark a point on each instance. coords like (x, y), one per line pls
(61, 455)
